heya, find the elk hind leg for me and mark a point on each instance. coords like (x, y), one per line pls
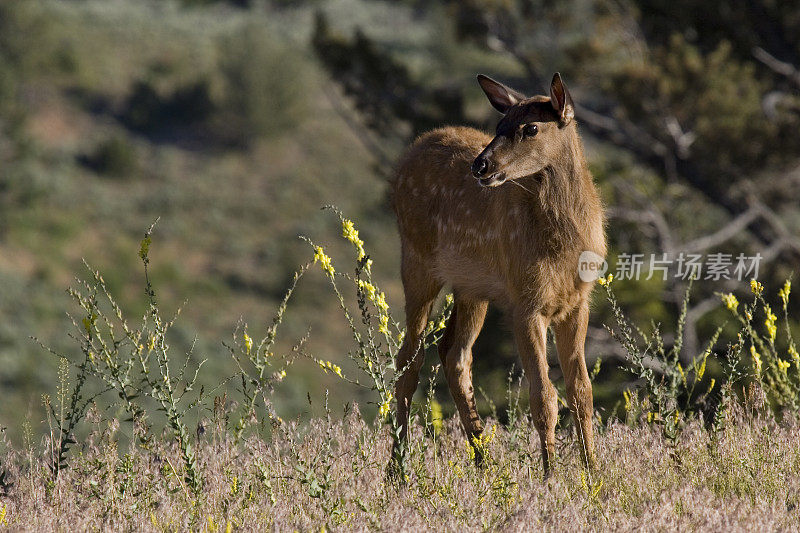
(455, 351)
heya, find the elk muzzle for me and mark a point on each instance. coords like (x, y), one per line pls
(480, 166)
(483, 168)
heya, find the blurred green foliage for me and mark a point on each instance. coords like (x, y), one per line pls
(234, 122)
(266, 86)
(114, 157)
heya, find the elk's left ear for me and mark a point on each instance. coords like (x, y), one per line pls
(561, 100)
(500, 96)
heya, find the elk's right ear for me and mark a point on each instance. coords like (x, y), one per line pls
(500, 96)
(561, 100)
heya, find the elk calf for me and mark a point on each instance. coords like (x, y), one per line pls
(505, 220)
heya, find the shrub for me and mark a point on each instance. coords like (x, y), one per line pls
(148, 111)
(675, 392)
(775, 365)
(114, 157)
(265, 87)
(672, 394)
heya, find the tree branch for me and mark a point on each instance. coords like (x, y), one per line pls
(731, 230)
(776, 65)
(363, 134)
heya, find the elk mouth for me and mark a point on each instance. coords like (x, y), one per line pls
(498, 178)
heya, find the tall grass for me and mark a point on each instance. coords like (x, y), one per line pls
(686, 445)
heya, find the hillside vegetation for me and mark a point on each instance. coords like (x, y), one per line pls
(193, 337)
(217, 122)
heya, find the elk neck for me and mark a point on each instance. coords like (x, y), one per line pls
(560, 202)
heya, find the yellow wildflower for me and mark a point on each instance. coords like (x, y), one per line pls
(350, 233)
(384, 325)
(783, 366)
(324, 260)
(401, 335)
(436, 416)
(627, 396)
(144, 247)
(784, 292)
(448, 299)
(328, 366)
(481, 442)
(756, 359)
(372, 294)
(248, 342)
(795, 355)
(711, 385)
(383, 410)
(683, 376)
(730, 301)
(770, 323)
(484, 438)
(606, 280)
(702, 369)
(380, 302)
(756, 287)
(3, 513)
(367, 288)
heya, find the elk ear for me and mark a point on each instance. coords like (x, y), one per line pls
(500, 96)
(561, 100)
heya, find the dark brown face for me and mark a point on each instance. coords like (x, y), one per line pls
(528, 138)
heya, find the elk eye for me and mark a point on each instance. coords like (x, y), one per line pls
(530, 130)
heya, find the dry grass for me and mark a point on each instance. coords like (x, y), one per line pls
(331, 474)
(659, 469)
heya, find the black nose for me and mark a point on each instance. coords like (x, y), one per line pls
(480, 166)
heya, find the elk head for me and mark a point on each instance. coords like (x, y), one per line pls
(531, 136)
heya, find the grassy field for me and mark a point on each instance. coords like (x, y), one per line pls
(331, 475)
(133, 445)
